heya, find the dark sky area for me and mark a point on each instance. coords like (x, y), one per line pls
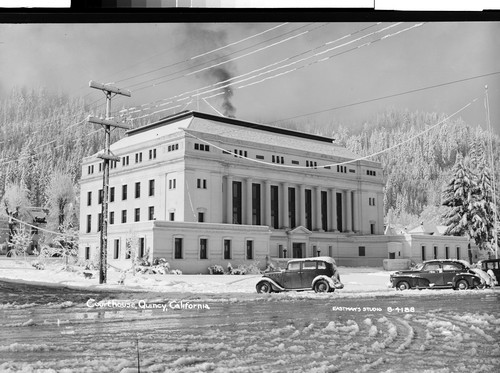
(274, 71)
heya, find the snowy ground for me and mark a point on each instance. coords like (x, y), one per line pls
(356, 280)
(365, 327)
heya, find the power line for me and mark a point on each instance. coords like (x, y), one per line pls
(339, 163)
(389, 96)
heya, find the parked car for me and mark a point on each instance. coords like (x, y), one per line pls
(491, 266)
(319, 274)
(445, 273)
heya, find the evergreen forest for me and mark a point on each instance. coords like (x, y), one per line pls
(44, 136)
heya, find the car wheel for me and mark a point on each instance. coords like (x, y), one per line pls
(264, 287)
(321, 286)
(462, 285)
(403, 285)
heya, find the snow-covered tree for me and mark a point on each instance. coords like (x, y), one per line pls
(61, 197)
(21, 240)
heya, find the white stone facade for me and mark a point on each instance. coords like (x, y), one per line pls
(196, 176)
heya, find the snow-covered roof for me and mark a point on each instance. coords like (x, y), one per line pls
(327, 259)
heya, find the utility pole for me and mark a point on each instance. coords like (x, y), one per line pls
(106, 156)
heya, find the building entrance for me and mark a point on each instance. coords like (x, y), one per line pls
(298, 249)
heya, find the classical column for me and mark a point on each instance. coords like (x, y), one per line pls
(333, 208)
(355, 226)
(317, 224)
(229, 199)
(302, 205)
(248, 207)
(267, 203)
(285, 221)
(348, 210)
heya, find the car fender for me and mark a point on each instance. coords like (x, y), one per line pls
(327, 279)
(273, 283)
(469, 277)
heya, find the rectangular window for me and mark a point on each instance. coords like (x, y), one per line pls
(458, 252)
(172, 216)
(124, 192)
(423, 253)
(137, 214)
(237, 202)
(178, 248)
(89, 223)
(339, 212)
(227, 249)
(372, 228)
(171, 184)
(249, 250)
(201, 183)
(435, 252)
(447, 252)
(256, 204)
(117, 249)
(87, 253)
(203, 248)
(295, 162)
(112, 217)
(101, 196)
(89, 198)
(361, 250)
(151, 191)
(291, 208)
(259, 157)
(201, 217)
(99, 222)
(142, 247)
(124, 216)
(308, 208)
(112, 194)
(274, 207)
(138, 189)
(324, 210)
(151, 213)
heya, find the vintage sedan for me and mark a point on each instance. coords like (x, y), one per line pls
(445, 273)
(319, 274)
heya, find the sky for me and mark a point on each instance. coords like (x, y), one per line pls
(278, 70)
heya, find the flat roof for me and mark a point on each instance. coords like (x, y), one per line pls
(233, 121)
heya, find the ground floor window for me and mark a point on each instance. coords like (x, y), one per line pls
(227, 249)
(203, 248)
(142, 247)
(249, 250)
(87, 253)
(435, 252)
(447, 252)
(178, 248)
(116, 249)
(458, 252)
(423, 253)
(361, 250)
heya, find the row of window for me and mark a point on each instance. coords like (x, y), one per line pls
(203, 249)
(435, 253)
(125, 161)
(137, 192)
(124, 217)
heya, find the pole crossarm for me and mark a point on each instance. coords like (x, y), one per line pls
(110, 157)
(106, 122)
(109, 88)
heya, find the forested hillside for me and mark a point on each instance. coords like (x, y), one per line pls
(44, 135)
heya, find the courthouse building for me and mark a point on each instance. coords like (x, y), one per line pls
(200, 189)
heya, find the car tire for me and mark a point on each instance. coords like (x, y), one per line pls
(321, 286)
(461, 285)
(264, 287)
(403, 285)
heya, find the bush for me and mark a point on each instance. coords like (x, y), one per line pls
(216, 269)
(176, 272)
(38, 265)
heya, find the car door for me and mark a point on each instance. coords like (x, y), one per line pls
(433, 273)
(450, 270)
(292, 276)
(308, 273)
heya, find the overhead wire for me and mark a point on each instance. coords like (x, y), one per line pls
(277, 165)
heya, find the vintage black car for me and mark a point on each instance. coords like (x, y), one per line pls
(445, 273)
(491, 267)
(319, 274)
